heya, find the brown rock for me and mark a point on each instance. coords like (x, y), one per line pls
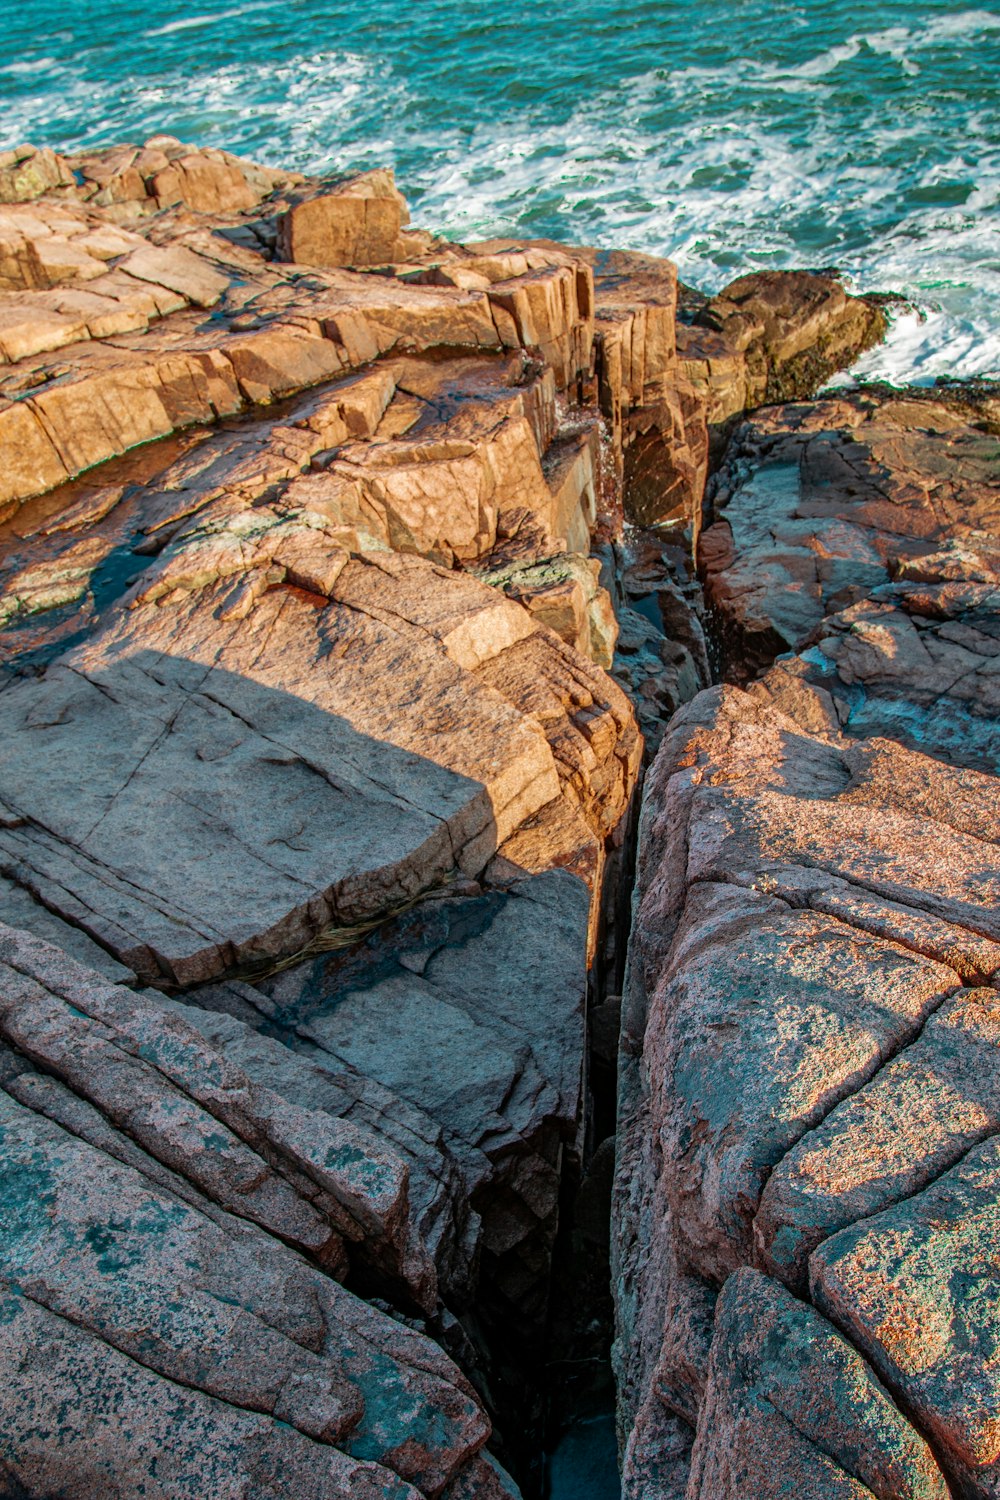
(820, 506)
(793, 329)
(355, 222)
(563, 593)
(26, 172)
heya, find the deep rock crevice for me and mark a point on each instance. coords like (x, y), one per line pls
(391, 1054)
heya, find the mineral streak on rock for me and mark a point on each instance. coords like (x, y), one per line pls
(325, 661)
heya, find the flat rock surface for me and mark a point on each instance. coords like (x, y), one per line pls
(362, 801)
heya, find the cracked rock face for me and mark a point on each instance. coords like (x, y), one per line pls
(171, 1220)
(809, 1037)
(314, 808)
(789, 1401)
(282, 742)
(361, 1036)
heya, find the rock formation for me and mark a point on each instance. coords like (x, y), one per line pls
(809, 1043)
(343, 570)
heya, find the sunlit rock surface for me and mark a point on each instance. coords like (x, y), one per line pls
(329, 633)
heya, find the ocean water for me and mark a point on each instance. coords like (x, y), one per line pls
(728, 134)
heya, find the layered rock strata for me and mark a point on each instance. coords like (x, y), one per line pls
(315, 801)
(809, 1043)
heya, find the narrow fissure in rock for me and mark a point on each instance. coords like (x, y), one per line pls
(483, 914)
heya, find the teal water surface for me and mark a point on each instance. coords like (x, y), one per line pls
(727, 135)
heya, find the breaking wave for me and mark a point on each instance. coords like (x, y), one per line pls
(757, 135)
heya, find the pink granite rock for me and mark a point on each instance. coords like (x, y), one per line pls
(791, 1407)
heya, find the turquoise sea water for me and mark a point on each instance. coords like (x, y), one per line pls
(727, 135)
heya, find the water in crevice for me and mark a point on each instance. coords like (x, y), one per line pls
(584, 1463)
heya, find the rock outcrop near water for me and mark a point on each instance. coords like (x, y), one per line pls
(344, 572)
(810, 1059)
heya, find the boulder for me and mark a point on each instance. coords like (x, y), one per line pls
(27, 172)
(350, 222)
(774, 336)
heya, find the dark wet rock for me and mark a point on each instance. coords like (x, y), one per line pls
(662, 655)
(820, 509)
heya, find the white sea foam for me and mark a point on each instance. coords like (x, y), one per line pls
(725, 168)
(816, 67)
(214, 18)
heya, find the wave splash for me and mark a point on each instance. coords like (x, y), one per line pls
(874, 151)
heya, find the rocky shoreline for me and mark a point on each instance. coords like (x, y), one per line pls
(498, 823)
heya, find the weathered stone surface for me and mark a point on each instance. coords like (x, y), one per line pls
(189, 691)
(196, 1114)
(791, 1408)
(138, 1435)
(916, 1118)
(774, 336)
(268, 740)
(915, 1288)
(820, 507)
(355, 222)
(541, 297)
(27, 172)
(164, 172)
(657, 1458)
(483, 1479)
(439, 982)
(762, 1019)
(916, 663)
(662, 656)
(564, 594)
(792, 1057)
(116, 1247)
(658, 432)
